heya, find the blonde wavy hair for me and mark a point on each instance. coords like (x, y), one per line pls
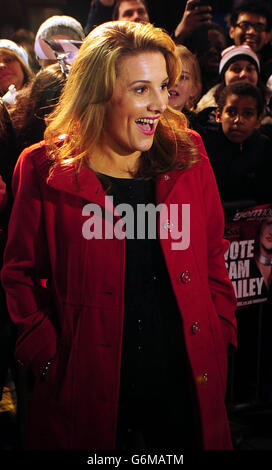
(81, 110)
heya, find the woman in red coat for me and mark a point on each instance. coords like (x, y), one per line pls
(121, 215)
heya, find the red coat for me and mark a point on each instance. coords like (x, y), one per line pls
(76, 407)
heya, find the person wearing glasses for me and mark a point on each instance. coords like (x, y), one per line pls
(251, 25)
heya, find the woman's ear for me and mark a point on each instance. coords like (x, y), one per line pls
(218, 115)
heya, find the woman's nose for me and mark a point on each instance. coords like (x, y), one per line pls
(159, 102)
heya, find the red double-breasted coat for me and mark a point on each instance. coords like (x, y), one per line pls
(78, 318)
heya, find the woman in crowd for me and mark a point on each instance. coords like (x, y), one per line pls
(128, 340)
(187, 90)
(14, 70)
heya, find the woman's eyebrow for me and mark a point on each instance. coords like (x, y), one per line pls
(147, 81)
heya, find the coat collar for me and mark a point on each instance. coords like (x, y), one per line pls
(86, 185)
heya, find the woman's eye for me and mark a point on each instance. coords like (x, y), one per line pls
(140, 90)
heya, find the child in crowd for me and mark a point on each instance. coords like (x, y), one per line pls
(237, 64)
(184, 95)
(240, 155)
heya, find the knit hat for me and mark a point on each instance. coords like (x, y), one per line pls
(233, 53)
(13, 47)
(65, 25)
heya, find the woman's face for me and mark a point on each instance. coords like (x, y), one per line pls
(241, 70)
(139, 98)
(266, 237)
(184, 89)
(11, 72)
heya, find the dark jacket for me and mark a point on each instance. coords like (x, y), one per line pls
(242, 171)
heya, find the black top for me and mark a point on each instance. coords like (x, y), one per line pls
(152, 335)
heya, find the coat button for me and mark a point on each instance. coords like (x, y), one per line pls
(166, 177)
(185, 277)
(195, 328)
(203, 379)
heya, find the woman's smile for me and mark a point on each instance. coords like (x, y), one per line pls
(147, 125)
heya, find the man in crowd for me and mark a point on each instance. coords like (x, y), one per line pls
(251, 25)
(192, 14)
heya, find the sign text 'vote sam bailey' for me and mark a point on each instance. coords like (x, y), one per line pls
(239, 258)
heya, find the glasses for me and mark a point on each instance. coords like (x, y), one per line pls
(246, 25)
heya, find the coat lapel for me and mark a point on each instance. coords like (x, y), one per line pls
(166, 184)
(84, 183)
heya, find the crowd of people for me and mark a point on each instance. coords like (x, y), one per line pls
(101, 375)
